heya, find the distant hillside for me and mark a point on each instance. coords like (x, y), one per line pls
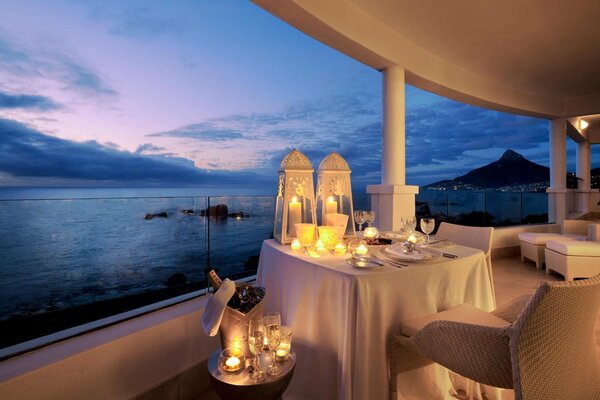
(512, 169)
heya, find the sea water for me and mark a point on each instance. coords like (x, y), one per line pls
(62, 247)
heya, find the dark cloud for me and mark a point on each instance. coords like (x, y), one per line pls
(72, 74)
(26, 101)
(27, 153)
(205, 132)
(148, 148)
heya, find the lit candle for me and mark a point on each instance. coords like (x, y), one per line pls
(361, 250)
(412, 238)
(331, 205)
(339, 249)
(320, 246)
(296, 245)
(282, 352)
(294, 215)
(232, 364)
(370, 232)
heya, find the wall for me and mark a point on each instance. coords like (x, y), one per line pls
(118, 362)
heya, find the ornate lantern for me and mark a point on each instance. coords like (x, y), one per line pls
(334, 194)
(295, 196)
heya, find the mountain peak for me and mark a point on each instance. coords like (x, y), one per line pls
(510, 155)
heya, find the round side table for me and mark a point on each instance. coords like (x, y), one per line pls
(235, 387)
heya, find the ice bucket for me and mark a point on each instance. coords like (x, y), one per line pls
(234, 327)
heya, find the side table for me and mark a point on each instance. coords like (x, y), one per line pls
(235, 387)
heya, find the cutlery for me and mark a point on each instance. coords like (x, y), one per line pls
(448, 255)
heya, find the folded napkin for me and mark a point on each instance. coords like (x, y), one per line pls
(215, 307)
(399, 251)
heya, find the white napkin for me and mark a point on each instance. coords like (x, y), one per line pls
(215, 307)
(398, 251)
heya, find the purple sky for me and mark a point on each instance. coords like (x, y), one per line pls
(183, 93)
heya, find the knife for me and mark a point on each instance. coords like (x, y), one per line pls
(448, 255)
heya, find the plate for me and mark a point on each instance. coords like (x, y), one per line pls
(364, 263)
(415, 256)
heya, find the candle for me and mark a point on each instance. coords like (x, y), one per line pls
(296, 245)
(412, 238)
(320, 246)
(294, 215)
(232, 364)
(339, 249)
(370, 232)
(361, 250)
(331, 206)
(282, 351)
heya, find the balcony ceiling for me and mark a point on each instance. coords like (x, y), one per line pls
(534, 57)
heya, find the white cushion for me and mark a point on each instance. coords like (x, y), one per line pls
(464, 313)
(575, 248)
(541, 238)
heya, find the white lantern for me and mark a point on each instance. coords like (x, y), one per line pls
(334, 193)
(295, 202)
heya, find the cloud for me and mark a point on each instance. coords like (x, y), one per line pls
(148, 148)
(36, 64)
(205, 132)
(25, 101)
(28, 153)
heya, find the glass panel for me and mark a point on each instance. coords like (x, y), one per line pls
(466, 208)
(236, 236)
(503, 208)
(535, 208)
(67, 262)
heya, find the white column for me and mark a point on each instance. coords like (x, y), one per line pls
(393, 199)
(557, 192)
(583, 173)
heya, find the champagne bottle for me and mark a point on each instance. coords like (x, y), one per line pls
(214, 279)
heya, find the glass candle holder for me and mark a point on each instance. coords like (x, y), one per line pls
(371, 232)
(285, 345)
(296, 245)
(231, 361)
(327, 236)
(340, 248)
(305, 233)
(358, 248)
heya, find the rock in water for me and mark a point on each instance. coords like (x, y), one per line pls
(177, 278)
(157, 215)
(220, 210)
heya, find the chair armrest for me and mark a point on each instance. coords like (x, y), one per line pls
(510, 311)
(480, 353)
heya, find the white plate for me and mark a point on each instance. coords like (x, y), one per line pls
(423, 255)
(364, 263)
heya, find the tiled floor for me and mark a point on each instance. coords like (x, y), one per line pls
(512, 279)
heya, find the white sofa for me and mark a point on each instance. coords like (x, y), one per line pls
(533, 244)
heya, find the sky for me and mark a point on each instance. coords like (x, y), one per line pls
(193, 93)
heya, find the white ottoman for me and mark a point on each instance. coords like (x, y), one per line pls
(533, 244)
(573, 259)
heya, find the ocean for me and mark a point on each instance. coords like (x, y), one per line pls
(63, 247)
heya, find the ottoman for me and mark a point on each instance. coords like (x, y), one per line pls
(533, 244)
(573, 259)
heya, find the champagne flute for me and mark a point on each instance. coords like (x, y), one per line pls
(273, 324)
(427, 226)
(369, 217)
(256, 342)
(359, 217)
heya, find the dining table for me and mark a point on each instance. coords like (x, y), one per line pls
(343, 316)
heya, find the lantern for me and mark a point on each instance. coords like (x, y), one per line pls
(295, 202)
(334, 194)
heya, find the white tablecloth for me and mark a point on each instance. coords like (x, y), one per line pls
(342, 318)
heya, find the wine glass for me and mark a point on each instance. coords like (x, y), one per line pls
(273, 324)
(369, 217)
(411, 224)
(359, 217)
(427, 226)
(256, 342)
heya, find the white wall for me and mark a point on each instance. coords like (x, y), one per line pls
(117, 362)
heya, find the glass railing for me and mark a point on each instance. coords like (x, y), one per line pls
(67, 262)
(484, 208)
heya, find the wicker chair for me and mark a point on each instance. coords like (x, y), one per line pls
(544, 352)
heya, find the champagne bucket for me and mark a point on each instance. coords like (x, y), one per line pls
(234, 328)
